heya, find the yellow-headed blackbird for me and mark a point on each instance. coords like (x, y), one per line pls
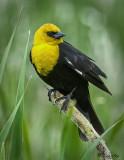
(67, 70)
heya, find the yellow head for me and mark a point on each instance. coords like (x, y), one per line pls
(48, 33)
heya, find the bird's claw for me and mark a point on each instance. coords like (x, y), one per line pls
(67, 98)
(65, 103)
(50, 92)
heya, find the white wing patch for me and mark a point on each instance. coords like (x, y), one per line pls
(78, 71)
(68, 61)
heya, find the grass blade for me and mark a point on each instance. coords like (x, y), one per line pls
(2, 155)
(16, 139)
(65, 134)
(93, 146)
(20, 89)
(8, 124)
(4, 59)
(115, 130)
(26, 139)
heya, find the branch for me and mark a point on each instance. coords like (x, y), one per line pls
(85, 126)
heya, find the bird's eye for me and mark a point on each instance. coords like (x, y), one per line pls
(51, 33)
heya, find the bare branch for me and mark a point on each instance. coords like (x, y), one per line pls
(85, 126)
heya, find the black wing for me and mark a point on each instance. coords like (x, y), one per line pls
(83, 65)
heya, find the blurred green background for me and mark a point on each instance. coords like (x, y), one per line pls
(96, 28)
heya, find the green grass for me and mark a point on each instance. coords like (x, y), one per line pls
(16, 140)
(7, 126)
(65, 135)
(4, 59)
(17, 115)
(93, 146)
(2, 154)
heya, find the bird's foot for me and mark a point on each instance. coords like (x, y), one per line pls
(67, 99)
(50, 92)
(65, 103)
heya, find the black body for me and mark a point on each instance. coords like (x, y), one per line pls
(75, 69)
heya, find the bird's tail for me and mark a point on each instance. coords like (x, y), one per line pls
(88, 111)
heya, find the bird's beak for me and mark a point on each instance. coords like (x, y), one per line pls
(58, 35)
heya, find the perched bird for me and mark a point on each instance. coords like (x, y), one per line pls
(67, 70)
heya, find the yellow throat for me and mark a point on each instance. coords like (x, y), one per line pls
(45, 51)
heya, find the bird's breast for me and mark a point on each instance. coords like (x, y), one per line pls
(44, 57)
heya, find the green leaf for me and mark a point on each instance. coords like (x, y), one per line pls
(8, 124)
(93, 146)
(116, 129)
(65, 134)
(4, 59)
(26, 138)
(16, 139)
(2, 155)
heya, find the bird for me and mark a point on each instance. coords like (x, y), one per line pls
(67, 70)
